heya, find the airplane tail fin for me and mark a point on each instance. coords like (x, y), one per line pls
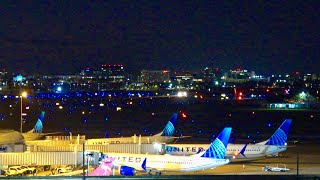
(280, 137)
(218, 147)
(104, 169)
(38, 126)
(170, 127)
(144, 164)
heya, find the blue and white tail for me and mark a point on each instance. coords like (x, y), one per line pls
(39, 126)
(218, 147)
(280, 137)
(169, 128)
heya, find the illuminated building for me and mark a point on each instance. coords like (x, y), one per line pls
(156, 76)
(115, 73)
(211, 75)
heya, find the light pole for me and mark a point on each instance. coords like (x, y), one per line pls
(24, 94)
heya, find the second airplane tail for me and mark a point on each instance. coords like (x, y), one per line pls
(38, 126)
(218, 147)
(280, 137)
(170, 127)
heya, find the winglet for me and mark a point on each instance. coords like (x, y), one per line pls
(169, 129)
(243, 150)
(199, 151)
(144, 164)
(280, 137)
(218, 147)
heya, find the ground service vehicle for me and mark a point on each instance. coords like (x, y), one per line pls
(65, 169)
(277, 168)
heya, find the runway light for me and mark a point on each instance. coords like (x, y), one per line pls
(182, 94)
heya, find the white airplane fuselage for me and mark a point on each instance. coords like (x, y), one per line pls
(166, 163)
(133, 139)
(233, 150)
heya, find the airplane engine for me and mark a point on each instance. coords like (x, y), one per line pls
(127, 171)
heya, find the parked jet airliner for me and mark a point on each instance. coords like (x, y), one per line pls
(237, 152)
(214, 156)
(165, 136)
(36, 132)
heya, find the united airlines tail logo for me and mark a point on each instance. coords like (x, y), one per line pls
(168, 130)
(218, 147)
(279, 138)
(38, 127)
(216, 150)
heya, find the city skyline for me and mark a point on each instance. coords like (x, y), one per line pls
(60, 37)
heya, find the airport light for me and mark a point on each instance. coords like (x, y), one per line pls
(24, 94)
(302, 95)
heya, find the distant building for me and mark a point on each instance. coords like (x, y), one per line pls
(114, 72)
(183, 76)
(3, 79)
(288, 105)
(155, 76)
(211, 75)
(107, 77)
(183, 79)
(295, 77)
(238, 76)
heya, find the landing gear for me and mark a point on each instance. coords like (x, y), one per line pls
(148, 172)
(158, 173)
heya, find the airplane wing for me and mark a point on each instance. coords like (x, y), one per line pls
(46, 134)
(178, 137)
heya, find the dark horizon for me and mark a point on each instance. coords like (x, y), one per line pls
(61, 37)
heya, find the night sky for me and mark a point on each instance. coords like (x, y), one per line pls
(67, 36)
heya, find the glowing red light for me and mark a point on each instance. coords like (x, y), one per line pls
(183, 115)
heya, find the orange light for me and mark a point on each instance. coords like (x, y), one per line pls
(184, 115)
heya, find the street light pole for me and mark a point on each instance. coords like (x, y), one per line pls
(24, 94)
(21, 115)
